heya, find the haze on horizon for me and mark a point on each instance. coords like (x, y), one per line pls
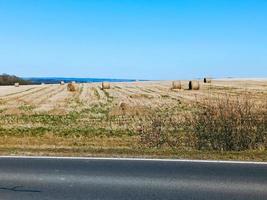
(138, 39)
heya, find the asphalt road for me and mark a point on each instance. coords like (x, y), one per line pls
(46, 178)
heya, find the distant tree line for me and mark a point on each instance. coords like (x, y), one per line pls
(6, 79)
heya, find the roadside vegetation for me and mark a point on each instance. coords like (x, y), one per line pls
(220, 124)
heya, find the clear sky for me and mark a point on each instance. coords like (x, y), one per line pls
(143, 39)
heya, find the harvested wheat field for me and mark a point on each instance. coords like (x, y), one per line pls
(51, 120)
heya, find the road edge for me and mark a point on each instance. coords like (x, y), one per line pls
(134, 159)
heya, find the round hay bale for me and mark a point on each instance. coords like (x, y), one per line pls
(105, 85)
(16, 84)
(139, 129)
(194, 85)
(123, 106)
(71, 87)
(207, 80)
(176, 85)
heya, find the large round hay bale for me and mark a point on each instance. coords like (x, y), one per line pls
(176, 85)
(194, 85)
(105, 85)
(71, 87)
(16, 84)
(207, 80)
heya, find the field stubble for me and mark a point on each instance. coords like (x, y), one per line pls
(49, 120)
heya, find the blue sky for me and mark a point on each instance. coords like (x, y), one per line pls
(144, 39)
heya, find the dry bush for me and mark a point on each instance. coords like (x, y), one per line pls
(153, 133)
(162, 130)
(223, 123)
(230, 124)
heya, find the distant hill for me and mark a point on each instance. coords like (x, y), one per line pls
(6, 79)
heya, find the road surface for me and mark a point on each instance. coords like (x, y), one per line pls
(57, 178)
